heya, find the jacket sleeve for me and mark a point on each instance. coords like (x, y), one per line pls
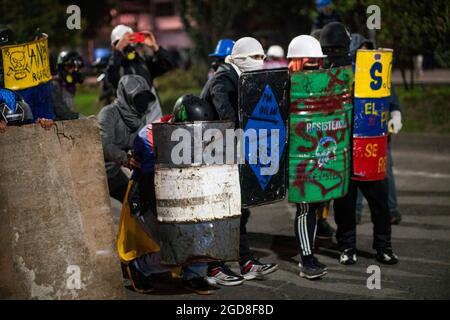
(111, 151)
(394, 103)
(62, 110)
(160, 63)
(222, 89)
(113, 68)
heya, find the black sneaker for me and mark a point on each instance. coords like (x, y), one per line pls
(139, 282)
(386, 256)
(348, 256)
(198, 285)
(253, 269)
(324, 230)
(311, 271)
(396, 217)
(319, 264)
(224, 276)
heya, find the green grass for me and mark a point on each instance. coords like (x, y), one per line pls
(425, 109)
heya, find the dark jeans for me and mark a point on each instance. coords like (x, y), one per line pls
(245, 253)
(376, 194)
(118, 185)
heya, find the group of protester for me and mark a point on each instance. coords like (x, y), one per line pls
(126, 131)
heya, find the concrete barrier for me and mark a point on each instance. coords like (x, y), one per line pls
(56, 227)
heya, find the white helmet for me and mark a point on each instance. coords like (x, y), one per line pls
(305, 46)
(119, 31)
(246, 47)
(276, 52)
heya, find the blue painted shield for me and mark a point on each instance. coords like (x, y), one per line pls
(263, 109)
(371, 116)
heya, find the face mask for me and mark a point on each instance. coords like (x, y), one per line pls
(129, 52)
(142, 100)
(248, 64)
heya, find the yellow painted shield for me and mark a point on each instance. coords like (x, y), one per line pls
(373, 73)
(26, 65)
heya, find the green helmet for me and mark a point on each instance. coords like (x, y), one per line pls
(191, 108)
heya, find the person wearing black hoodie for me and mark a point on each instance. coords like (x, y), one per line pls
(360, 42)
(120, 122)
(335, 42)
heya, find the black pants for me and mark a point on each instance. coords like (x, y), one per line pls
(245, 253)
(118, 186)
(305, 227)
(376, 194)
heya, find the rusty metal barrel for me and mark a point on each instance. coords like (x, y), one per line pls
(198, 196)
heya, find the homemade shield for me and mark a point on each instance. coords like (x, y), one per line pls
(372, 92)
(26, 65)
(373, 73)
(263, 111)
(198, 198)
(369, 158)
(320, 123)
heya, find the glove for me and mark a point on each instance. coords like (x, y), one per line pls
(395, 124)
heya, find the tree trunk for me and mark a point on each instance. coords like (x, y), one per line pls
(405, 83)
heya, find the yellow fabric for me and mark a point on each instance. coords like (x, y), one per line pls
(132, 241)
(373, 81)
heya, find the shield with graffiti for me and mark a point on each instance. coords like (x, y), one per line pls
(319, 135)
(263, 115)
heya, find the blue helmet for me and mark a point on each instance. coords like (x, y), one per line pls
(223, 49)
(322, 3)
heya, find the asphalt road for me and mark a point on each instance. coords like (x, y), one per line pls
(422, 169)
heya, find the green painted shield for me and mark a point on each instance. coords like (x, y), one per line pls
(319, 140)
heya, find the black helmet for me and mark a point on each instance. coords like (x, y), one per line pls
(335, 35)
(70, 59)
(192, 108)
(6, 36)
(13, 108)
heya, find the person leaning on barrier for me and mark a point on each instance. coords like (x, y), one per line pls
(14, 111)
(247, 55)
(120, 122)
(64, 83)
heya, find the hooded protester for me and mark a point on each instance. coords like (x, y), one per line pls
(141, 252)
(120, 122)
(395, 124)
(64, 83)
(127, 60)
(335, 42)
(222, 93)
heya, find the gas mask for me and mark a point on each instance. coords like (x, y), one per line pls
(130, 52)
(142, 100)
